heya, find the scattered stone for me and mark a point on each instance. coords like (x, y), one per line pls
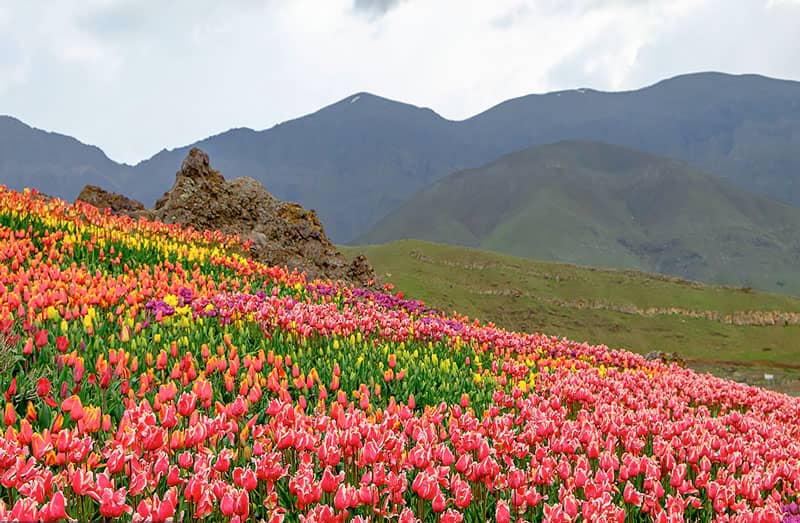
(37, 195)
(117, 203)
(360, 270)
(666, 358)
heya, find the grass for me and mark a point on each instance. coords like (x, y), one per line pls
(599, 306)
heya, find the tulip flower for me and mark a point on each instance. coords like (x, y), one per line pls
(206, 399)
(502, 512)
(10, 415)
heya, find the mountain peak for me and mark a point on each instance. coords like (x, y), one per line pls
(10, 122)
(365, 102)
(358, 96)
(715, 80)
(364, 96)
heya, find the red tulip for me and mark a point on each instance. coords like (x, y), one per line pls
(245, 478)
(343, 497)
(24, 510)
(62, 344)
(55, 509)
(462, 494)
(330, 483)
(227, 505)
(12, 389)
(502, 513)
(112, 503)
(10, 416)
(223, 462)
(187, 404)
(451, 516)
(425, 486)
(570, 506)
(439, 503)
(43, 387)
(243, 505)
(631, 495)
(40, 338)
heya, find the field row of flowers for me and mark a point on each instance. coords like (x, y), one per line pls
(150, 373)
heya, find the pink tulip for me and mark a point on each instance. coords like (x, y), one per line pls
(502, 513)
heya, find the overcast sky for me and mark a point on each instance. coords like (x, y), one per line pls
(134, 77)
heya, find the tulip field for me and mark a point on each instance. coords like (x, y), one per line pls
(152, 373)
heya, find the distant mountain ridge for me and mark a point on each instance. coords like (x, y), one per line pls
(603, 205)
(53, 163)
(358, 159)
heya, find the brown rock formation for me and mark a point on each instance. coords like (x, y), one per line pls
(282, 233)
(118, 203)
(666, 357)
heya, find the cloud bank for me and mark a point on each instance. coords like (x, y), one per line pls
(134, 77)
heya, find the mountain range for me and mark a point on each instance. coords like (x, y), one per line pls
(597, 204)
(54, 163)
(357, 160)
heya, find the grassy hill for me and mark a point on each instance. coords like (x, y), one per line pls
(603, 205)
(626, 309)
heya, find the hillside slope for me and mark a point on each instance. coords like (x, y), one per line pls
(602, 205)
(149, 372)
(732, 331)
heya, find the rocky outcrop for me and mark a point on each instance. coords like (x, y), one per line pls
(117, 203)
(360, 270)
(281, 233)
(666, 357)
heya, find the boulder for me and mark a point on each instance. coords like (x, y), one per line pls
(667, 358)
(117, 203)
(282, 233)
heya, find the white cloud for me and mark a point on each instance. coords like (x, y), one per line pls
(135, 77)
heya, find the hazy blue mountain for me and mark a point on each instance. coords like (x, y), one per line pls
(352, 161)
(604, 205)
(745, 128)
(53, 163)
(360, 158)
